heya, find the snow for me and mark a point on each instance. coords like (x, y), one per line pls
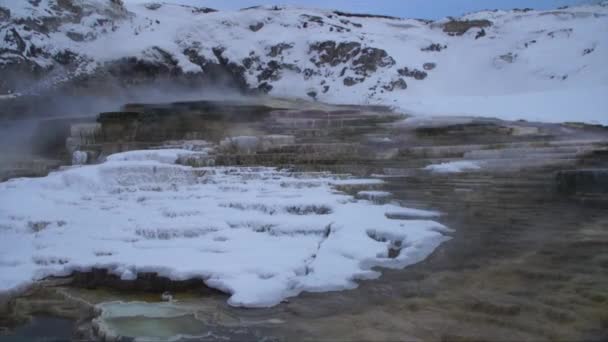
(557, 71)
(588, 105)
(79, 158)
(259, 234)
(454, 166)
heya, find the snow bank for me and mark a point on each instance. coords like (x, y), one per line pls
(588, 105)
(260, 234)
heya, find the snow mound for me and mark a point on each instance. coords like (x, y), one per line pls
(260, 234)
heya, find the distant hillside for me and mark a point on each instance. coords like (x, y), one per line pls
(546, 65)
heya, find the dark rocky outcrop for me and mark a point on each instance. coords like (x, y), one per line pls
(460, 27)
(395, 84)
(413, 73)
(371, 59)
(265, 87)
(75, 36)
(434, 48)
(588, 51)
(363, 15)
(348, 22)
(334, 54)
(351, 81)
(256, 27)
(234, 70)
(134, 70)
(429, 66)
(277, 50)
(203, 10)
(153, 6)
(271, 72)
(65, 57)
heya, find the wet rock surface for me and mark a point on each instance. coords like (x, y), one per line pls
(527, 259)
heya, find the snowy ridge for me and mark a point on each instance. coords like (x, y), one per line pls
(260, 234)
(539, 65)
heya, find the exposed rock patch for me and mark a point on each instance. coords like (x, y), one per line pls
(460, 27)
(429, 66)
(363, 15)
(371, 59)
(256, 27)
(434, 48)
(413, 73)
(395, 84)
(65, 57)
(351, 81)
(203, 10)
(480, 34)
(277, 50)
(153, 6)
(333, 54)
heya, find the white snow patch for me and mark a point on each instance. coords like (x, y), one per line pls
(454, 166)
(166, 156)
(588, 105)
(374, 195)
(260, 234)
(79, 158)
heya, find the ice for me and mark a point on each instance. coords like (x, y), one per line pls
(260, 234)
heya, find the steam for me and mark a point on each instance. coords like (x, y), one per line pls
(35, 126)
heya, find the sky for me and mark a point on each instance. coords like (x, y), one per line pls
(424, 9)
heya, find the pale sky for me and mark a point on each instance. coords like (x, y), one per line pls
(426, 9)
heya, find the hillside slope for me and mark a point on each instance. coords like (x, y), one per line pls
(537, 65)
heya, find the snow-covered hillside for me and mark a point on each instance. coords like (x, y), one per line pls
(546, 65)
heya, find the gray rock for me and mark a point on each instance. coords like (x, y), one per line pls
(413, 73)
(395, 84)
(153, 6)
(351, 81)
(75, 36)
(371, 59)
(256, 27)
(434, 48)
(429, 66)
(480, 34)
(277, 50)
(334, 54)
(460, 27)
